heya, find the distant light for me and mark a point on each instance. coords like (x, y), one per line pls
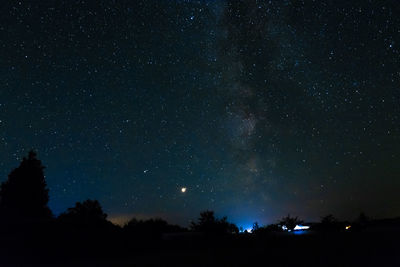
(296, 228)
(247, 230)
(348, 227)
(183, 189)
(301, 227)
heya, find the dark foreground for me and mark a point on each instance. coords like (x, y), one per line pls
(45, 246)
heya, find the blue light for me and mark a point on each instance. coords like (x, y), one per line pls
(301, 227)
(299, 232)
(246, 228)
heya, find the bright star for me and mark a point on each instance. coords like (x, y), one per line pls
(183, 189)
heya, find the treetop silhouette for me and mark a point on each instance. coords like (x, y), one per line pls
(87, 212)
(207, 223)
(290, 222)
(24, 196)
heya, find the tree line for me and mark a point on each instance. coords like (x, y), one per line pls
(24, 197)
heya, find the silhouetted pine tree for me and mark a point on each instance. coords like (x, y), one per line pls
(24, 196)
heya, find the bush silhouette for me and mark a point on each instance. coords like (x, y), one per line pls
(290, 222)
(207, 223)
(24, 196)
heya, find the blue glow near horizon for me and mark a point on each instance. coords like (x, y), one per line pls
(299, 232)
(246, 227)
(248, 230)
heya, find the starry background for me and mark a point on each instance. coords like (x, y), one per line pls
(259, 108)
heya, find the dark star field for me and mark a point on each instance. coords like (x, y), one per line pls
(257, 108)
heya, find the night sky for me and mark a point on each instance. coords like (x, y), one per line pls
(258, 108)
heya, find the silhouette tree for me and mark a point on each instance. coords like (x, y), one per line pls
(205, 220)
(209, 224)
(87, 212)
(256, 227)
(24, 196)
(290, 222)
